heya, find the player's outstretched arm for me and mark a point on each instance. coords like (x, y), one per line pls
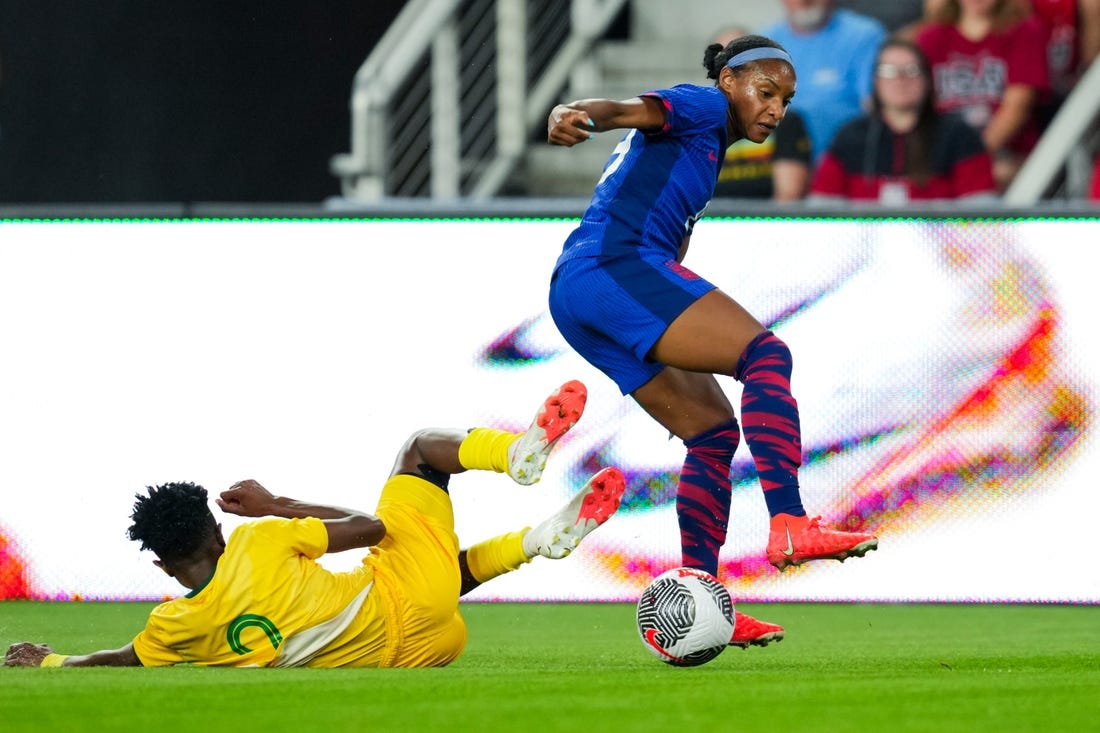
(347, 528)
(27, 654)
(575, 122)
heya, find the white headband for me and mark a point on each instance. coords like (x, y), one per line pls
(758, 54)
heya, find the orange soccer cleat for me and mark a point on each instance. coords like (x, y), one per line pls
(593, 505)
(794, 540)
(749, 631)
(559, 412)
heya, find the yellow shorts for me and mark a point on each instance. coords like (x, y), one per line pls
(417, 576)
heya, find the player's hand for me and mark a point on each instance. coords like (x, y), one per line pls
(247, 499)
(568, 126)
(26, 654)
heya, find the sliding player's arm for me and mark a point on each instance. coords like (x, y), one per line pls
(347, 528)
(28, 654)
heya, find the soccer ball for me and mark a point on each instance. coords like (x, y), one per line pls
(685, 617)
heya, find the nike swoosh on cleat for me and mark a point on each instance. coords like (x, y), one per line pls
(789, 549)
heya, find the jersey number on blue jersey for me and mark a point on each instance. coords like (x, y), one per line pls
(618, 155)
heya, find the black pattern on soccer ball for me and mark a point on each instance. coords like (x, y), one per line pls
(721, 596)
(667, 606)
(671, 625)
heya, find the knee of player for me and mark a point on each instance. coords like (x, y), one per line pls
(723, 438)
(431, 454)
(765, 351)
(415, 448)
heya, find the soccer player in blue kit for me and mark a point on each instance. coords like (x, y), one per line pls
(623, 301)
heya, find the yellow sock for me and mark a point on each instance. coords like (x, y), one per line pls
(486, 449)
(497, 556)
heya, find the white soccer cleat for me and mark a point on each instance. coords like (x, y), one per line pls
(593, 505)
(561, 411)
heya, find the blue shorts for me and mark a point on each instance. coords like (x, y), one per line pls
(613, 311)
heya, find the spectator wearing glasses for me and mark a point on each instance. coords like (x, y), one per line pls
(904, 149)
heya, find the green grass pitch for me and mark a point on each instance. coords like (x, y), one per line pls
(542, 668)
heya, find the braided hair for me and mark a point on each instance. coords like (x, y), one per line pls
(716, 55)
(174, 520)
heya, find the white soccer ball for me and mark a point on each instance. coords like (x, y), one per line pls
(685, 617)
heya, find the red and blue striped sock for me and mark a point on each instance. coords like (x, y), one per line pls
(769, 418)
(703, 495)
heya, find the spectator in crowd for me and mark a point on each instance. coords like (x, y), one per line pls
(904, 149)
(778, 168)
(833, 51)
(1072, 30)
(989, 64)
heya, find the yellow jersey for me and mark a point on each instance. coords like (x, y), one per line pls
(268, 603)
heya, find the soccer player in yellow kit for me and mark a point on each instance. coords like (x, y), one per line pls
(262, 600)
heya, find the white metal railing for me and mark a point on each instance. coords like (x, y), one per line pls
(389, 63)
(1065, 143)
(495, 68)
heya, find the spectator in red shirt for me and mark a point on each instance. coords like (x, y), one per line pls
(990, 66)
(1072, 40)
(904, 149)
(1073, 37)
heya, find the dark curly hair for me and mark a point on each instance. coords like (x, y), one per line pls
(716, 56)
(174, 520)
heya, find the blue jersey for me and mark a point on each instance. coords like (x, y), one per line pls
(656, 185)
(617, 284)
